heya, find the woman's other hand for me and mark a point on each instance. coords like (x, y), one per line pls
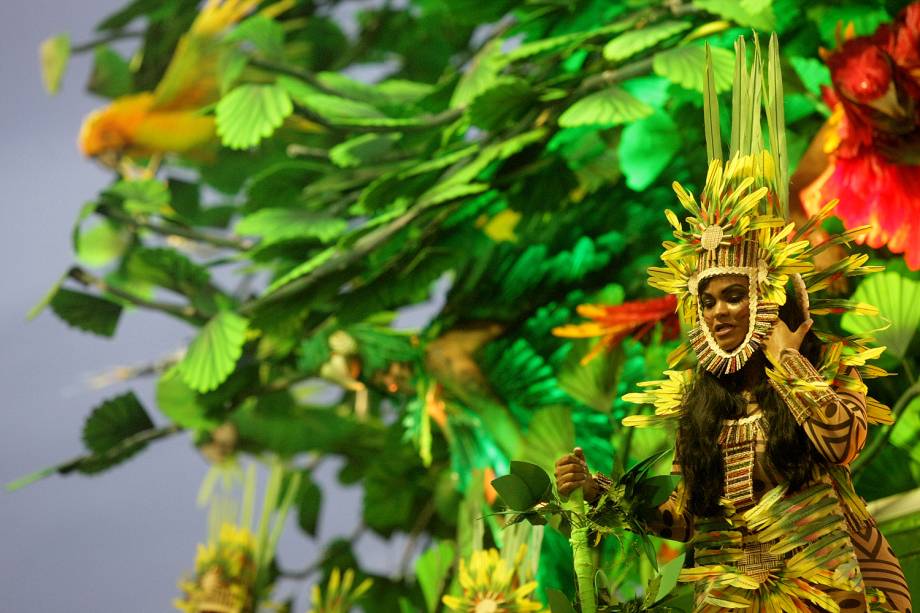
(572, 473)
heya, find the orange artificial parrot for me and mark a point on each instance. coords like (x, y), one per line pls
(169, 119)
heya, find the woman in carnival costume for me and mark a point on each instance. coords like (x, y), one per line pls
(772, 415)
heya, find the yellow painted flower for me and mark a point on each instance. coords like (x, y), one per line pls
(491, 585)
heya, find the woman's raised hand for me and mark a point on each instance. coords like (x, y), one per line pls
(572, 473)
(781, 337)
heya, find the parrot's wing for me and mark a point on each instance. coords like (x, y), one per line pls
(190, 79)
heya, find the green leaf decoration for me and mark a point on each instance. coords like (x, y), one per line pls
(757, 14)
(111, 76)
(213, 354)
(181, 404)
(40, 306)
(87, 312)
(865, 20)
(564, 41)
(273, 225)
(101, 244)
(302, 269)
(519, 374)
(167, 268)
(609, 107)
(142, 196)
(364, 149)
(686, 66)
(645, 149)
(276, 423)
(108, 434)
(54, 54)
(896, 298)
(264, 34)
(379, 347)
(514, 493)
(558, 602)
(309, 504)
(630, 43)
(505, 101)
(593, 384)
(313, 353)
(905, 433)
(431, 570)
(250, 113)
(479, 76)
(550, 435)
(535, 478)
(114, 421)
(812, 72)
(333, 108)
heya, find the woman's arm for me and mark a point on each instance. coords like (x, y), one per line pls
(834, 420)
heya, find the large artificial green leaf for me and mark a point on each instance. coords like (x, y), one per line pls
(757, 14)
(686, 66)
(111, 76)
(167, 268)
(595, 383)
(609, 107)
(87, 312)
(273, 225)
(905, 433)
(896, 298)
(54, 54)
(645, 149)
(630, 43)
(250, 113)
(114, 421)
(212, 356)
(549, 436)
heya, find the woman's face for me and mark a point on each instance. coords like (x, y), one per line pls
(724, 301)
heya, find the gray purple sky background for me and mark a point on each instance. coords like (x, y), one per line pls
(116, 542)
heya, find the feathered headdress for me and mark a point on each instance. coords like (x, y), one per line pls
(739, 223)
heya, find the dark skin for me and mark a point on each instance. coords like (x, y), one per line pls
(725, 306)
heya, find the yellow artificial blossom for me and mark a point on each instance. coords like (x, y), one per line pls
(225, 575)
(491, 585)
(339, 597)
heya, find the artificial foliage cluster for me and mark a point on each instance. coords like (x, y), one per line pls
(288, 177)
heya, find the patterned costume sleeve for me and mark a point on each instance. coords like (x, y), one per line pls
(834, 420)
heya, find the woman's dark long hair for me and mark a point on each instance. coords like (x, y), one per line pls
(710, 399)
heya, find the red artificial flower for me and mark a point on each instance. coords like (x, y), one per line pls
(614, 323)
(874, 158)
